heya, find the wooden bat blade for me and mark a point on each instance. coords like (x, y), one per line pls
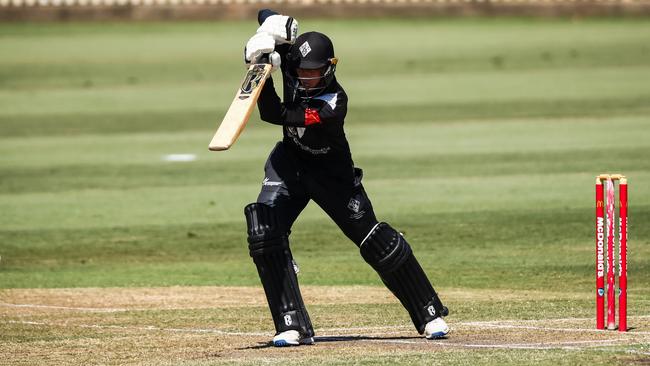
(241, 108)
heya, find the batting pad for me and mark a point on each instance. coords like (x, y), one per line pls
(390, 255)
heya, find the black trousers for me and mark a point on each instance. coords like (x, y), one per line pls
(289, 185)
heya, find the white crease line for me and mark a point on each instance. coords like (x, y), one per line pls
(508, 326)
(269, 334)
(115, 310)
(489, 324)
(403, 328)
(552, 320)
(537, 346)
(148, 327)
(195, 330)
(638, 352)
(591, 341)
(498, 324)
(97, 310)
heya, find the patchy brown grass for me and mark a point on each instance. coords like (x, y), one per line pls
(214, 325)
(218, 296)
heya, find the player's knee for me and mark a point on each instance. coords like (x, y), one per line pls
(264, 231)
(385, 249)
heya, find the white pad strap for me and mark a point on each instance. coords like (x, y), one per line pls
(370, 232)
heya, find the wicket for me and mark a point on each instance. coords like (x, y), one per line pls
(601, 231)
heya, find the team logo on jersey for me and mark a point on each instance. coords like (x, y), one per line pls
(305, 49)
(296, 131)
(354, 205)
(268, 182)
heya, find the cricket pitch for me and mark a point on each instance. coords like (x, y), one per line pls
(226, 325)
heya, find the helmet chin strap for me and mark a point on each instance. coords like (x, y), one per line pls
(319, 86)
(324, 81)
(308, 93)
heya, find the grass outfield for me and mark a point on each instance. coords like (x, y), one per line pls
(480, 139)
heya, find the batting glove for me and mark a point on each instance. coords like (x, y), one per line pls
(258, 45)
(282, 28)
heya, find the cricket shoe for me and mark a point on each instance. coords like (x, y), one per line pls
(437, 328)
(291, 338)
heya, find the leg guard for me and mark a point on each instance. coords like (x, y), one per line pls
(390, 255)
(269, 246)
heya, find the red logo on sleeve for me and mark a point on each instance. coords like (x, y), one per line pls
(311, 117)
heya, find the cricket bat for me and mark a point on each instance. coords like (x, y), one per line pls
(241, 107)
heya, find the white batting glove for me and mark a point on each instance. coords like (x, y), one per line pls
(258, 45)
(282, 28)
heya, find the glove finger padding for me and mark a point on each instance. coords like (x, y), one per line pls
(282, 28)
(257, 45)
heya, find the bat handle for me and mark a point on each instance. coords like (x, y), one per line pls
(264, 59)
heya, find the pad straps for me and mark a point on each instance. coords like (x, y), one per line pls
(391, 256)
(269, 248)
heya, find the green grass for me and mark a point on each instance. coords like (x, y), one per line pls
(453, 152)
(480, 140)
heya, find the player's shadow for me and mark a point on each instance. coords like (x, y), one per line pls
(338, 339)
(361, 338)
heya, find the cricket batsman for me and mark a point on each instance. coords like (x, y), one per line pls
(313, 162)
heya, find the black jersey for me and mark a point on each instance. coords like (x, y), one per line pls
(312, 127)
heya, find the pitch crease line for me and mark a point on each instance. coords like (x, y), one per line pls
(486, 323)
(538, 346)
(325, 330)
(149, 327)
(195, 330)
(554, 345)
(507, 326)
(499, 324)
(98, 310)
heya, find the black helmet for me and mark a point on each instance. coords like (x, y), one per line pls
(312, 50)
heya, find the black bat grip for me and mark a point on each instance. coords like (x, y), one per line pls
(264, 59)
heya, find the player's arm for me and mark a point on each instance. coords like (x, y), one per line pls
(331, 109)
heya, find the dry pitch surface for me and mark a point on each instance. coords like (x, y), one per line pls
(214, 325)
